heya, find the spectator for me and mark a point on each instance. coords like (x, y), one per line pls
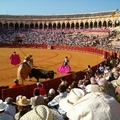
(54, 104)
(109, 89)
(80, 84)
(89, 70)
(95, 105)
(101, 69)
(37, 99)
(41, 88)
(16, 83)
(3, 115)
(51, 94)
(92, 83)
(23, 107)
(74, 95)
(74, 84)
(10, 107)
(64, 82)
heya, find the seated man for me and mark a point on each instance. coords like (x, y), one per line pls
(16, 83)
(37, 99)
(41, 88)
(54, 104)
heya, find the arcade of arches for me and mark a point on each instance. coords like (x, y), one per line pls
(100, 21)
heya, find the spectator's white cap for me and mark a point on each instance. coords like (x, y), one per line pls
(39, 83)
(51, 91)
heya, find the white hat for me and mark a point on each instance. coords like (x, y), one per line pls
(2, 105)
(16, 80)
(106, 71)
(95, 106)
(51, 91)
(74, 95)
(88, 88)
(39, 83)
(42, 112)
(116, 82)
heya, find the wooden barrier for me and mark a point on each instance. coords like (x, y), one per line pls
(1, 88)
(14, 92)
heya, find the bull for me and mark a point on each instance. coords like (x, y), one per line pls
(39, 73)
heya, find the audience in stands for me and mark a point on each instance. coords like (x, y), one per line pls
(96, 96)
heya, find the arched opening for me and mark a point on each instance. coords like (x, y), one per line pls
(0, 25)
(104, 24)
(109, 23)
(31, 26)
(63, 25)
(68, 26)
(36, 26)
(59, 26)
(86, 25)
(41, 26)
(45, 26)
(54, 26)
(16, 26)
(50, 26)
(26, 26)
(95, 24)
(72, 26)
(91, 24)
(21, 26)
(5, 26)
(77, 25)
(81, 25)
(11, 26)
(100, 24)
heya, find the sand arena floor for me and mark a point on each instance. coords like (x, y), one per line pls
(45, 59)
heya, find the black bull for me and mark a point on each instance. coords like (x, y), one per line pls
(39, 73)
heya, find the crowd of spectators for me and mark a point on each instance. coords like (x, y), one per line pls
(57, 37)
(97, 96)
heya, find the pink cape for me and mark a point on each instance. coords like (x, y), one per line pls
(15, 59)
(64, 69)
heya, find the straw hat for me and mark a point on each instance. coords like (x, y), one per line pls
(41, 112)
(74, 95)
(23, 101)
(2, 105)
